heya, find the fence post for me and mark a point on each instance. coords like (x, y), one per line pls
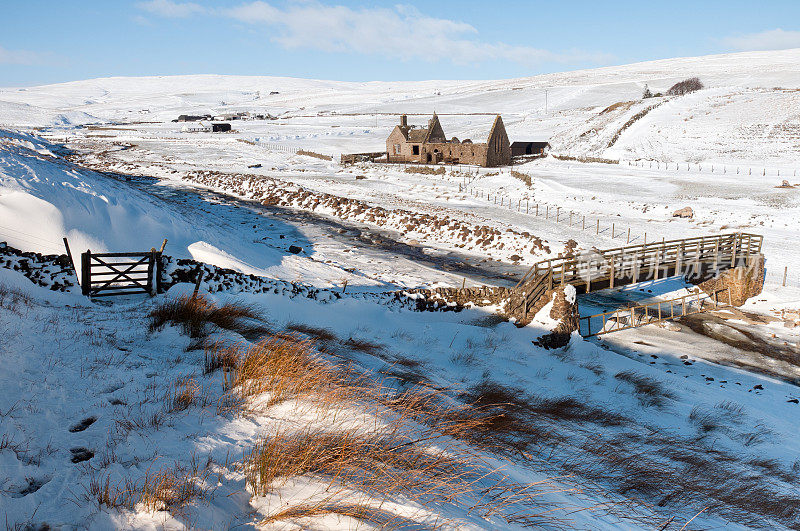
(598, 227)
(69, 255)
(86, 275)
(583, 225)
(785, 273)
(629, 236)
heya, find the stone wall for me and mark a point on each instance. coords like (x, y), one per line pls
(456, 152)
(460, 297)
(744, 281)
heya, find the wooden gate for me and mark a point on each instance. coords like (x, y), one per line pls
(106, 274)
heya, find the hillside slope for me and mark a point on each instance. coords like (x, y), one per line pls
(746, 113)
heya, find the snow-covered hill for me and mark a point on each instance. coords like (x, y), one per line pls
(748, 111)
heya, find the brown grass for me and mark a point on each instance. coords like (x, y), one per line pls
(524, 177)
(168, 489)
(196, 314)
(314, 154)
(649, 391)
(184, 395)
(362, 345)
(618, 105)
(381, 464)
(364, 513)
(220, 355)
(426, 170)
(416, 453)
(287, 366)
(586, 158)
(321, 334)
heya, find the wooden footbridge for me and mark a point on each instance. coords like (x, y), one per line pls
(697, 259)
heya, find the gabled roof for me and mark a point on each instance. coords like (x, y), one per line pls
(417, 135)
(496, 126)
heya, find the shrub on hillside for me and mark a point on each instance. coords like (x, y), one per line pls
(685, 87)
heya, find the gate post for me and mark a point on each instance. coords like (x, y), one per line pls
(150, 266)
(159, 266)
(86, 275)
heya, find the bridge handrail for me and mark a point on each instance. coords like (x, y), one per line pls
(733, 240)
(699, 297)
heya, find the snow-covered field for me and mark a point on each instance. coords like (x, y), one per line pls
(646, 428)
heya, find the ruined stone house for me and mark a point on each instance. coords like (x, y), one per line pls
(430, 145)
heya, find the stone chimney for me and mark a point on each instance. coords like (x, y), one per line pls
(403, 120)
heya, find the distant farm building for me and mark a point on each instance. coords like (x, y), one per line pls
(192, 118)
(220, 128)
(430, 145)
(519, 149)
(198, 127)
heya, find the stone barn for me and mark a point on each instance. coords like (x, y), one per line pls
(519, 149)
(429, 145)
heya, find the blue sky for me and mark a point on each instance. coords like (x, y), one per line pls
(49, 41)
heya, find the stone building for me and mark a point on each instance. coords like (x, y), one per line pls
(430, 145)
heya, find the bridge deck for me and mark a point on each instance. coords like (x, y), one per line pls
(697, 259)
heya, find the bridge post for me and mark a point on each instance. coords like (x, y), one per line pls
(612, 273)
(716, 255)
(736, 241)
(658, 264)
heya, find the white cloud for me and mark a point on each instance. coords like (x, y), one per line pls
(18, 57)
(400, 33)
(167, 8)
(776, 39)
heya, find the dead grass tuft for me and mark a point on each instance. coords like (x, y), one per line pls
(364, 513)
(649, 391)
(287, 366)
(321, 334)
(196, 314)
(184, 395)
(362, 345)
(168, 489)
(426, 170)
(220, 355)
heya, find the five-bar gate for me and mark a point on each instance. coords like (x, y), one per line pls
(105, 274)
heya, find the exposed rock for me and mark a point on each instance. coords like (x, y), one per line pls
(565, 311)
(744, 281)
(294, 249)
(685, 212)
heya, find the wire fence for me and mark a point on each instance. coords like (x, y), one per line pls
(272, 146)
(776, 275)
(720, 169)
(34, 241)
